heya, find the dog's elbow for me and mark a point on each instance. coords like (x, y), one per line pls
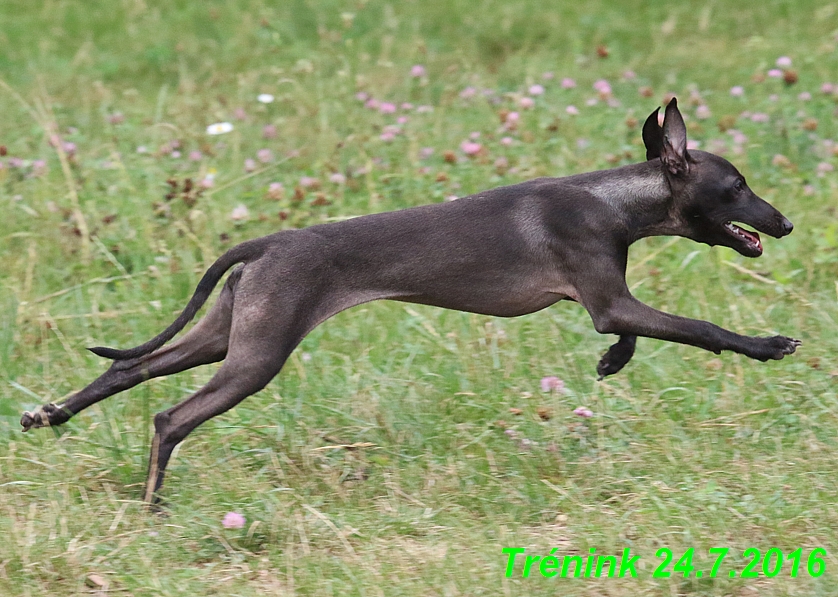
(604, 323)
(609, 321)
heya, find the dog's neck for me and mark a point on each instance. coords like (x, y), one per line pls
(639, 193)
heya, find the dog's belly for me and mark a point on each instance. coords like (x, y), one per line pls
(511, 303)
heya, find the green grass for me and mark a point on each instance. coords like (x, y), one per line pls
(686, 448)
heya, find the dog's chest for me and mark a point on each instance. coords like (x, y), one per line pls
(533, 293)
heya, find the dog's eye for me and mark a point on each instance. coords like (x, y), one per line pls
(738, 186)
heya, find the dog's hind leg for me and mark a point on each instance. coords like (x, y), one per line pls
(205, 343)
(255, 356)
(617, 356)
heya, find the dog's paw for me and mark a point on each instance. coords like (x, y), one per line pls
(776, 347)
(31, 420)
(617, 356)
(46, 416)
(607, 366)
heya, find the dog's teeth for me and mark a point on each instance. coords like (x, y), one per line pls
(741, 233)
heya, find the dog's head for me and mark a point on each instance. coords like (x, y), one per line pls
(709, 193)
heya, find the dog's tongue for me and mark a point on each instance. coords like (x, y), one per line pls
(751, 236)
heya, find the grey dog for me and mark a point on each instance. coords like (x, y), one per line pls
(504, 252)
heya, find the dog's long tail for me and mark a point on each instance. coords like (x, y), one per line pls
(238, 254)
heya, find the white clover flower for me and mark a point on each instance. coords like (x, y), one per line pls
(265, 98)
(219, 128)
(209, 179)
(239, 213)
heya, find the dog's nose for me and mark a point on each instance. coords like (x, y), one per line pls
(787, 226)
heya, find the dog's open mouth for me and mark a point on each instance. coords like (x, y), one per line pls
(751, 239)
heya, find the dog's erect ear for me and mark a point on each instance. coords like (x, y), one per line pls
(653, 136)
(674, 148)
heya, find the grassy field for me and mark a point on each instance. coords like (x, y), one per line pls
(378, 106)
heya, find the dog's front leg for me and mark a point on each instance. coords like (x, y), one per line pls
(625, 315)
